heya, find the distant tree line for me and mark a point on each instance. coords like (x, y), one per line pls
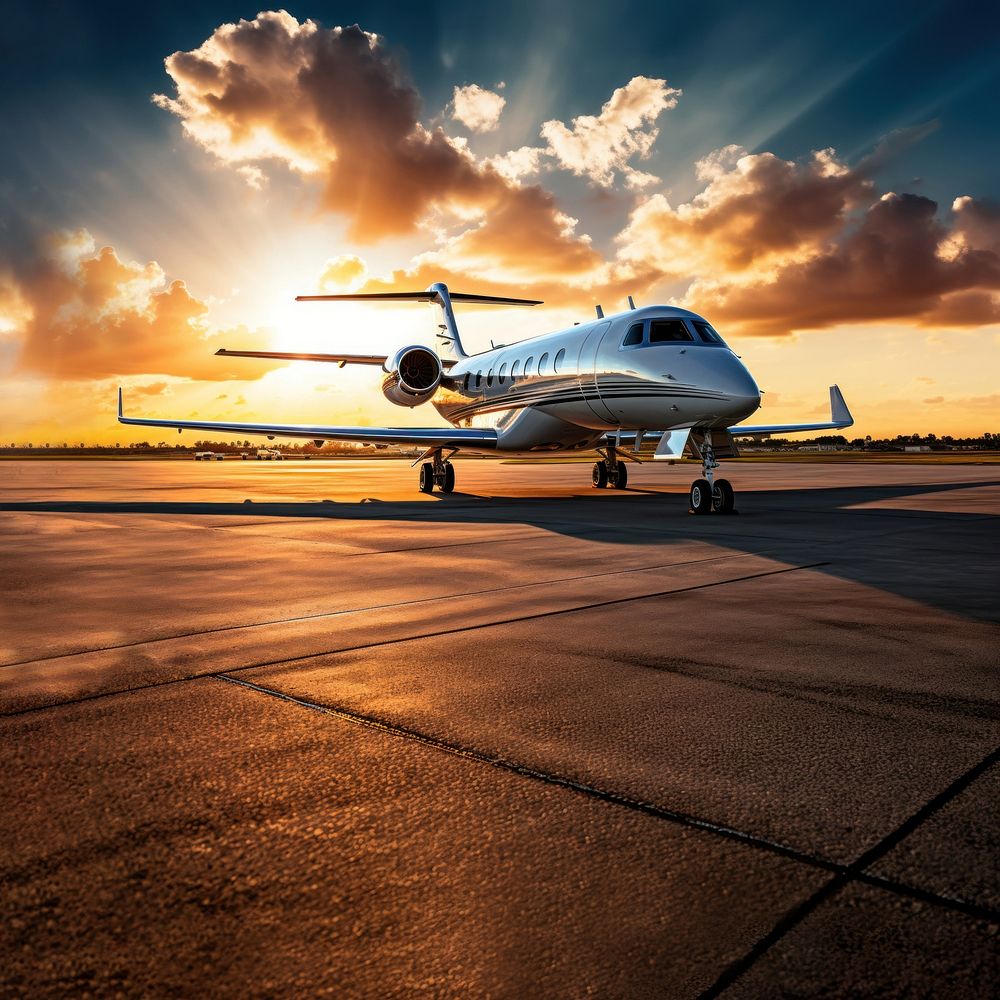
(946, 442)
(984, 442)
(171, 450)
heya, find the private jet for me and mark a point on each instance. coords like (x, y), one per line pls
(652, 382)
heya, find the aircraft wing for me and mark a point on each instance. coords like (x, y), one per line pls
(840, 417)
(421, 437)
(340, 359)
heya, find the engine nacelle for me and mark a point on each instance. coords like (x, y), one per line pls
(414, 375)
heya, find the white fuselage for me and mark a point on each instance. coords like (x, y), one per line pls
(566, 390)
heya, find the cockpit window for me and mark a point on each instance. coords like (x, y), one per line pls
(707, 334)
(634, 336)
(668, 331)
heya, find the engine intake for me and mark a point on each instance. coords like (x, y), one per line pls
(413, 376)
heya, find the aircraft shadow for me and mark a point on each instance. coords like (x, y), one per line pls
(958, 553)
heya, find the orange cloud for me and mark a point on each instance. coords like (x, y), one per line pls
(755, 211)
(900, 262)
(87, 315)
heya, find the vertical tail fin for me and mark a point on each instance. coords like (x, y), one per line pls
(449, 340)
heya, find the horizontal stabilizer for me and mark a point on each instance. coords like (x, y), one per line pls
(342, 359)
(430, 295)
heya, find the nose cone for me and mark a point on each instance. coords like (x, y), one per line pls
(740, 388)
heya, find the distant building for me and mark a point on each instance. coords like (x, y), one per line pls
(916, 447)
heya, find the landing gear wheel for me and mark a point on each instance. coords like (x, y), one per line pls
(448, 485)
(701, 497)
(619, 479)
(723, 497)
(427, 478)
(600, 475)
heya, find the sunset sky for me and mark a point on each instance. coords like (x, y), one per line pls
(820, 181)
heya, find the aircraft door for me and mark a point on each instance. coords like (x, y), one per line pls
(591, 370)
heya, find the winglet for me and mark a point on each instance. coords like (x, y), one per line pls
(119, 402)
(839, 413)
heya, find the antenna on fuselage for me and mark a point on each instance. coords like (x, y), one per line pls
(631, 303)
(600, 313)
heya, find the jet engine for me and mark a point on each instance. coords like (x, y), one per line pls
(413, 376)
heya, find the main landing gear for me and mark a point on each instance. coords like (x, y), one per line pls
(610, 471)
(708, 494)
(439, 473)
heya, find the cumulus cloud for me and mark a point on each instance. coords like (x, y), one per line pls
(517, 164)
(87, 314)
(600, 147)
(476, 108)
(768, 244)
(334, 104)
(756, 211)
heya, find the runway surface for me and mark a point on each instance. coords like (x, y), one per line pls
(297, 728)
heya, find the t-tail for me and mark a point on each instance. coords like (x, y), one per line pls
(448, 338)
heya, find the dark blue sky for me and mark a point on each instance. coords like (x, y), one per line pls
(783, 76)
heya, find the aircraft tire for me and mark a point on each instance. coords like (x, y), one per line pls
(701, 497)
(723, 497)
(600, 476)
(427, 478)
(448, 486)
(621, 477)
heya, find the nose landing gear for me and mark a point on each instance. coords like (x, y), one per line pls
(709, 494)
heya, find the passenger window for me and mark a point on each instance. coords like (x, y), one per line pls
(559, 360)
(479, 378)
(542, 362)
(489, 378)
(634, 336)
(527, 366)
(503, 373)
(514, 368)
(707, 334)
(668, 331)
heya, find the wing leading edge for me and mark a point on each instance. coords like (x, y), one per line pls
(840, 417)
(422, 437)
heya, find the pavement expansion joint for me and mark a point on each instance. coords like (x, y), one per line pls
(382, 607)
(458, 629)
(534, 616)
(856, 871)
(842, 873)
